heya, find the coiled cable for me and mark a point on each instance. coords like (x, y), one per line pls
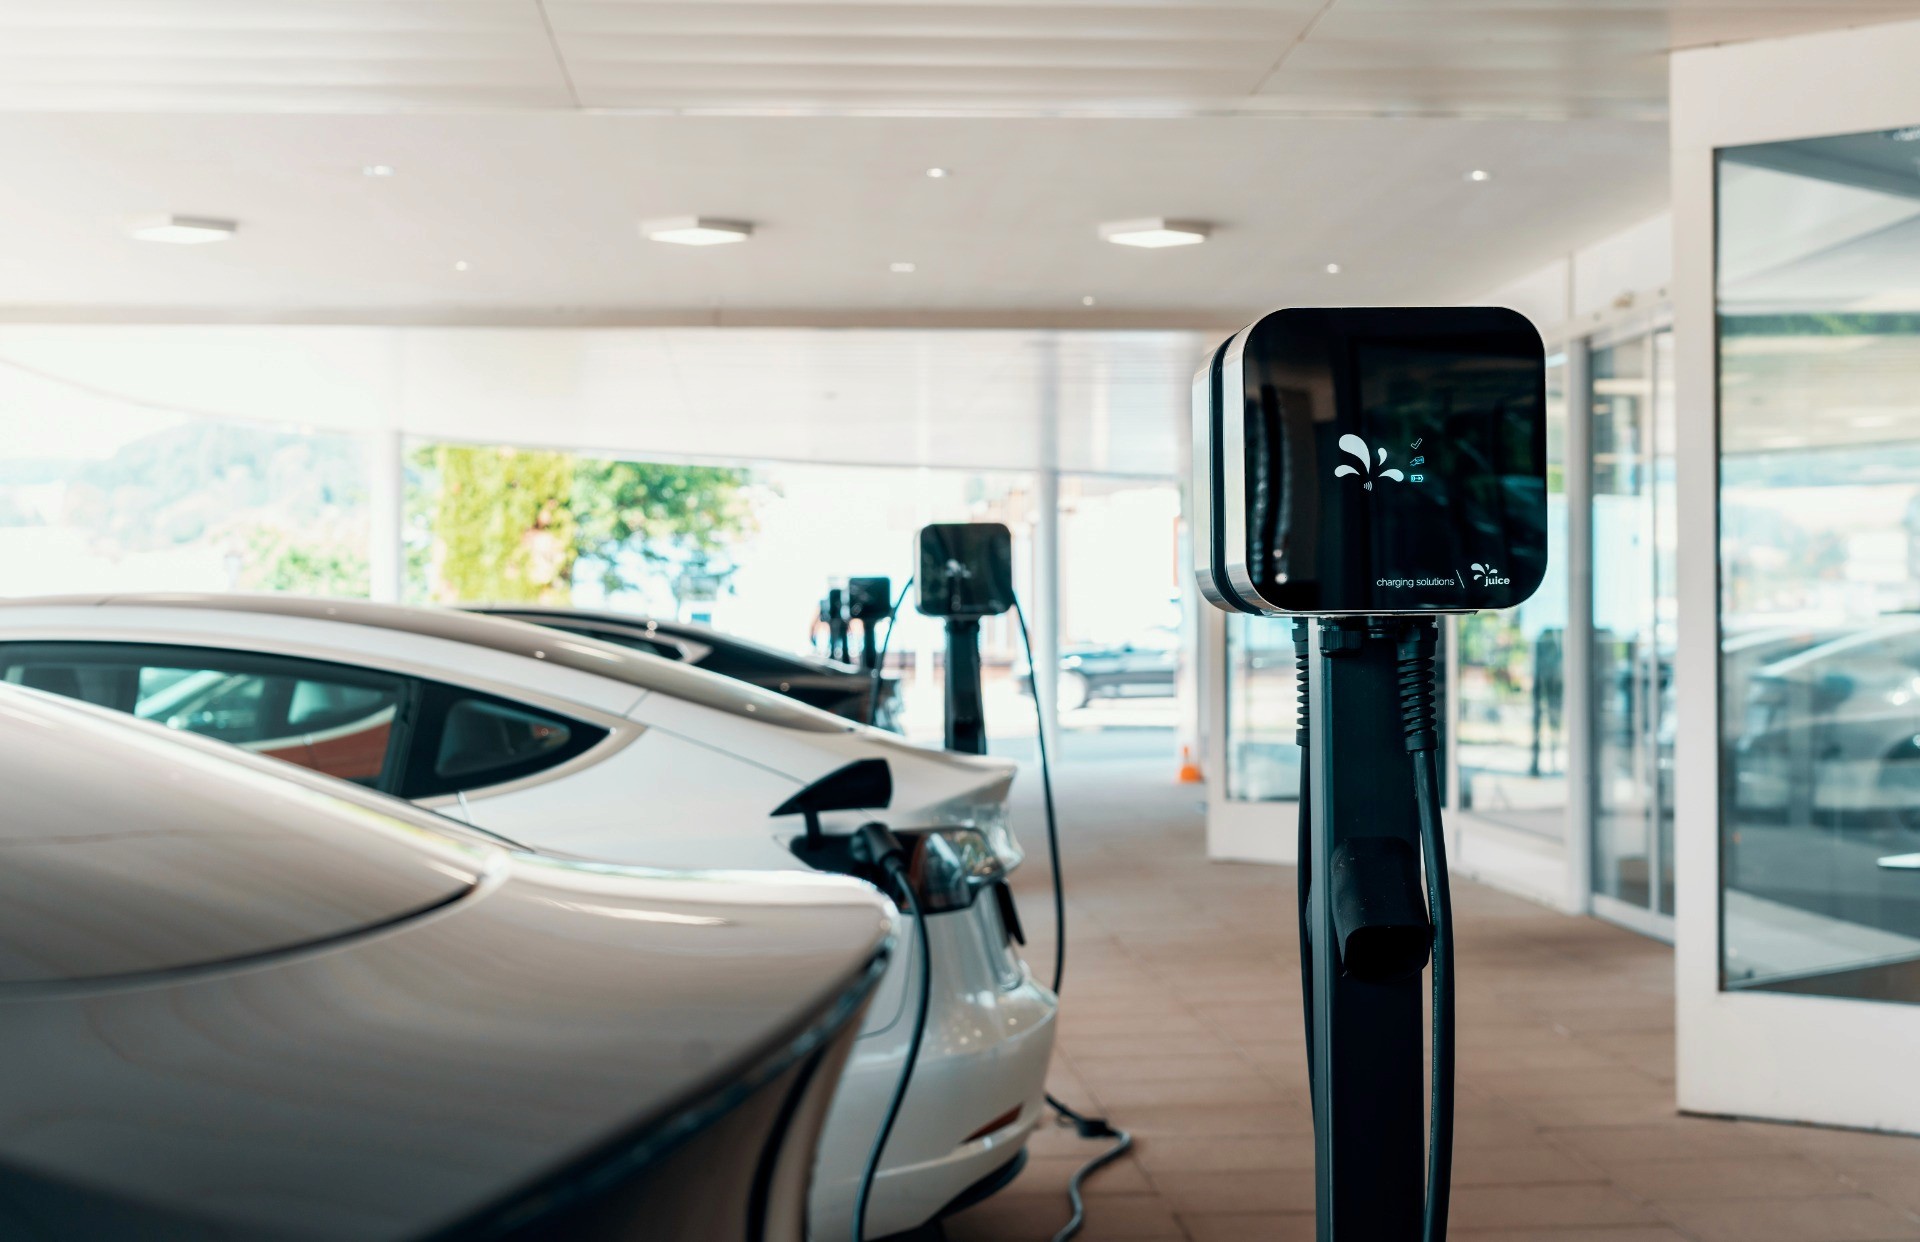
(1415, 656)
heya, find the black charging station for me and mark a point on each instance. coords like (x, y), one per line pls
(1365, 470)
(833, 614)
(869, 601)
(965, 572)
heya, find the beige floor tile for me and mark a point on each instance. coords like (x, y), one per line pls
(1249, 1227)
(1538, 1207)
(1732, 1177)
(1858, 1219)
(1182, 1021)
(1213, 1193)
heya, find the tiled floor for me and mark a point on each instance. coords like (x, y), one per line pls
(1181, 1022)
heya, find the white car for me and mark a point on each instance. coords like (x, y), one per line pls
(573, 745)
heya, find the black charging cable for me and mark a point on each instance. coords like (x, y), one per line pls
(874, 845)
(1303, 836)
(1415, 653)
(880, 660)
(1086, 1127)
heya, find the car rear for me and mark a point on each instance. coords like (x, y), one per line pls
(245, 1001)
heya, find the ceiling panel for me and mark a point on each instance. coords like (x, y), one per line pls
(1522, 58)
(278, 55)
(542, 208)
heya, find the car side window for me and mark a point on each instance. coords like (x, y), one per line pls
(328, 717)
(467, 741)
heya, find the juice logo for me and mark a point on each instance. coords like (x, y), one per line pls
(1487, 575)
(1357, 447)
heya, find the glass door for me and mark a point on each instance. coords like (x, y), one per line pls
(1633, 631)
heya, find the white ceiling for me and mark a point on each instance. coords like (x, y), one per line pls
(543, 209)
(528, 137)
(1532, 58)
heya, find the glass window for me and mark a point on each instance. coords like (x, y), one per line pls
(1634, 537)
(99, 493)
(1510, 676)
(1263, 710)
(332, 719)
(467, 741)
(1819, 423)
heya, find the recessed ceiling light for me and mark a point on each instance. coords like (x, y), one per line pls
(1155, 232)
(936, 173)
(376, 170)
(1479, 174)
(1087, 301)
(460, 265)
(696, 231)
(184, 230)
(1333, 269)
(901, 269)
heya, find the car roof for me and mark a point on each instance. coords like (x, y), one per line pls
(690, 630)
(519, 638)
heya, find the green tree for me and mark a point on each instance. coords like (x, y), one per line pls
(305, 564)
(503, 525)
(656, 513)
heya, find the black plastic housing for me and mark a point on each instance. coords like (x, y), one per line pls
(869, 599)
(966, 569)
(1372, 460)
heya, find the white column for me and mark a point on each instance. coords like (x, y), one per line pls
(1045, 621)
(1045, 618)
(387, 483)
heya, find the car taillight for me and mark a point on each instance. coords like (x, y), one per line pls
(951, 867)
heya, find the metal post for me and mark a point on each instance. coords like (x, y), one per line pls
(1367, 1042)
(1046, 621)
(966, 715)
(1577, 708)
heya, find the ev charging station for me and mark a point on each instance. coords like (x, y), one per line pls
(1364, 471)
(965, 572)
(869, 601)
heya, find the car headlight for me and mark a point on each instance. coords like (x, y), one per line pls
(950, 867)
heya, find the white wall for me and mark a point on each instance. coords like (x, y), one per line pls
(1607, 278)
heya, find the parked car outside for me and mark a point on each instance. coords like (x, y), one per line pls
(244, 1001)
(1143, 668)
(830, 685)
(1831, 734)
(583, 747)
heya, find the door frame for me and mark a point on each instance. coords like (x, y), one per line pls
(1770, 1055)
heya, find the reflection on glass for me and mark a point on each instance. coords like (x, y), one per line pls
(1819, 285)
(1263, 763)
(1510, 676)
(1633, 615)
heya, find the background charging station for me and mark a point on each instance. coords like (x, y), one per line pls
(965, 572)
(1365, 470)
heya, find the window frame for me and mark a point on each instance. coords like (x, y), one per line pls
(197, 657)
(603, 729)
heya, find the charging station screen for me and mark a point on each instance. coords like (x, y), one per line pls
(966, 569)
(1396, 459)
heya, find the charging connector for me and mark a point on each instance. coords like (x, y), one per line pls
(877, 847)
(1417, 642)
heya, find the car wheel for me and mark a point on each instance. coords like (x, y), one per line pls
(1074, 691)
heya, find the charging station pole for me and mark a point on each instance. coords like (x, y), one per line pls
(1369, 1113)
(966, 712)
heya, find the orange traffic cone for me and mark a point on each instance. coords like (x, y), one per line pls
(1189, 770)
